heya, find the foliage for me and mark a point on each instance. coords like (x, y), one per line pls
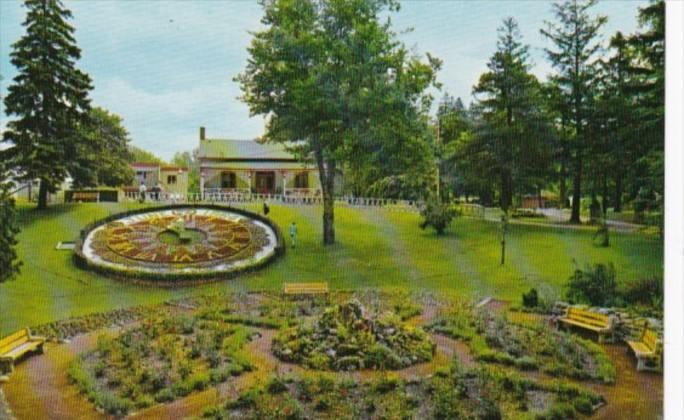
(594, 285)
(335, 76)
(164, 358)
(574, 37)
(494, 339)
(530, 299)
(647, 291)
(511, 135)
(437, 214)
(137, 154)
(104, 155)
(49, 98)
(343, 338)
(9, 263)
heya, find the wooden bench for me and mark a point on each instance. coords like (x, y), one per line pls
(645, 349)
(300, 289)
(588, 320)
(86, 196)
(16, 345)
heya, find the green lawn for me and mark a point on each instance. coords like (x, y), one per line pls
(376, 248)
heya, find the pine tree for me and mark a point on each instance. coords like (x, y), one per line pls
(513, 131)
(9, 266)
(576, 44)
(49, 97)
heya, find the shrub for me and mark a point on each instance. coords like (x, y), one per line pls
(583, 405)
(276, 385)
(113, 404)
(558, 412)
(437, 214)
(645, 291)
(594, 285)
(526, 363)
(530, 299)
(164, 395)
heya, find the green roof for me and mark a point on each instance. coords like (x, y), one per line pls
(242, 150)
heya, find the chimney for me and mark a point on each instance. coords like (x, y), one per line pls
(202, 133)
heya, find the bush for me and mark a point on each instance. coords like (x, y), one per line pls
(594, 285)
(276, 385)
(437, 214)
(164, 395)
(530, 299)
(646, 291)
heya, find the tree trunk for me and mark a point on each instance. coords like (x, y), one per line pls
(563, 179)
(617, 206)
(576, 189)
(42, 195)
(326, 173)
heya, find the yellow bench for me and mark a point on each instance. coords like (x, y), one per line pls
(16, 345)
(588, 320)
(88, 196)
(295, 289)
(645, 349)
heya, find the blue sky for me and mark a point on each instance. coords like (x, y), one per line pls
(167, 66)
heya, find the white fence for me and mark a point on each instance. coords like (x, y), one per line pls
(233, 198)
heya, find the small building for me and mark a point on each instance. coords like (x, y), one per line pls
(171, 179)
(248, 166)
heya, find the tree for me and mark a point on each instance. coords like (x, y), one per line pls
(512, 127)
(331, 75)
(103, 153)
(9, 266)
(49, 97)
(575, 39)
(137, 154)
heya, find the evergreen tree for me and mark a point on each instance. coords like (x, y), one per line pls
(575, 39)
(49, 97)
(513, 129)
(9, 266)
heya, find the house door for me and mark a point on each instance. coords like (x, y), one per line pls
(265, 182)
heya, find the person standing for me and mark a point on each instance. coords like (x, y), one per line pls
(266, 208)
(293, 234)
(142, 190)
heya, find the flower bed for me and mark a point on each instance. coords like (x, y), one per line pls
(344, 338)
(162, 359)
(179, 243)
(451, 393)
(496, 340)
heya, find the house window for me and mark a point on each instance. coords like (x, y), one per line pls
(302, 180)
(228, 180)
(171, 179)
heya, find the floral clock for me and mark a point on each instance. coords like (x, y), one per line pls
(181, 242)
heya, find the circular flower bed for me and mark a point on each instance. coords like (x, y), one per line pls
(179, 243)
(343, 338)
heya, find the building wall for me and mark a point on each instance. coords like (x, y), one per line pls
(181, 185)
(212, 179)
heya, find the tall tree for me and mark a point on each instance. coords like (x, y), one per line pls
(49, 97)
(331, 75)
(103, 152)
(513, 129)
(9, 265)
(575, 37)
(649, 90)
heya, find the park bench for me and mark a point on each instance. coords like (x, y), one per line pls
(304, 289)
(16, 345)
(85, 196)
(588, 320)
(645, 349)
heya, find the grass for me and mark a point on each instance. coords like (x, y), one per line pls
(375, 249)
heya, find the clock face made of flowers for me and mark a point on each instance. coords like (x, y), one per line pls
(180, 241)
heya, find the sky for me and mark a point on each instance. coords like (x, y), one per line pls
(167, 67)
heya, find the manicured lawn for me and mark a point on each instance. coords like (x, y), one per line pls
(376, 248)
